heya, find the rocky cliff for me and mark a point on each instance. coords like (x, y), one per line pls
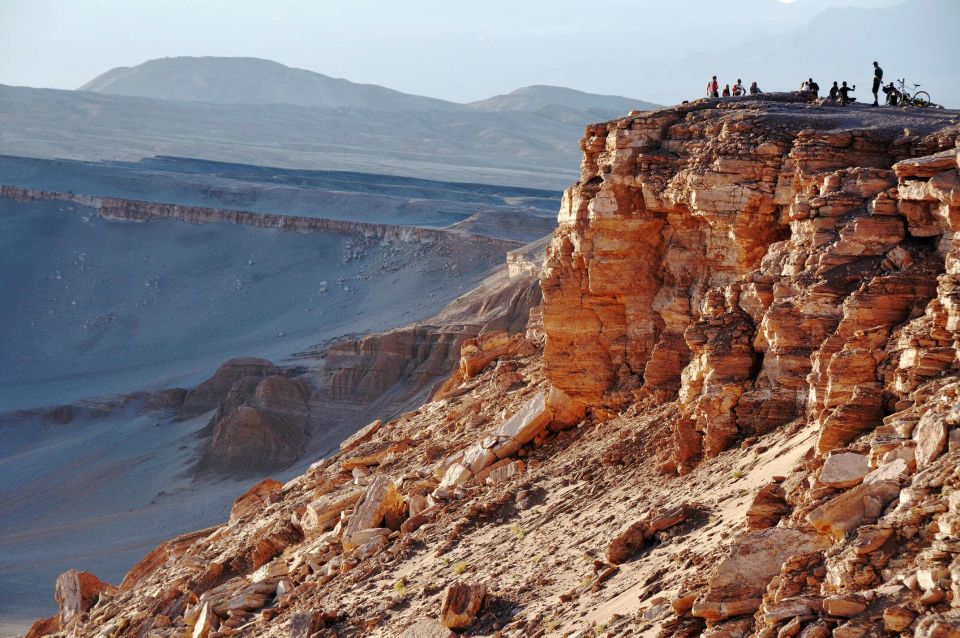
(754, 262)
(735, 415)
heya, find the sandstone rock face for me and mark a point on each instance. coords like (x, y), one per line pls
(421, 355)
(208, 395)
(251, 441)
(754, 267)
(261, 418)
(141, 211)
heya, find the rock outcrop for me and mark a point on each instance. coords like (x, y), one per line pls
(752, 262)
(261, 422)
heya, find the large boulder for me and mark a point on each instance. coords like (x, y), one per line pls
(522, 427)
(768, 507)
(737, 585)
(323, 513)
(427, 628)
(461, 604)
(382, 505)
(76, 592)
(931, 437)
(361, 436)
(846, 512)
(280, 394)
(843, 469)
(255, 499)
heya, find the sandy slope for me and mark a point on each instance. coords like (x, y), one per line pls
(105, 307)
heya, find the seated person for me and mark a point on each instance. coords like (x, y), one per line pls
(893, 95)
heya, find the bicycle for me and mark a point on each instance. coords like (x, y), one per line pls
(919, 98)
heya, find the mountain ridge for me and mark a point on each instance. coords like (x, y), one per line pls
(251, 80)
(248, 80)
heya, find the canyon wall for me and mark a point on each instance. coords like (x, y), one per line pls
(753, 263)
(142, 211)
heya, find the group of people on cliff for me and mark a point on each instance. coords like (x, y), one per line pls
(713, 89)
(842, 93)
(837, 92)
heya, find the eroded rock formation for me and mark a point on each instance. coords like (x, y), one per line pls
(751, 262)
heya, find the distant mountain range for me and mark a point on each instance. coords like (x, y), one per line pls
(249, 81)
(260, 112)
(220, 80)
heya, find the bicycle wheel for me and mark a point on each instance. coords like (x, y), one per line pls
(921, 98)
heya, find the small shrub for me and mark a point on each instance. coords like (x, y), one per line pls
(460, 567)
(400, 588)
(737, 475)
(517, 531)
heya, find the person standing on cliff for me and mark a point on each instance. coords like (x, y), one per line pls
(877, 81)
(738, 89)
(834, 92)
(713, 88)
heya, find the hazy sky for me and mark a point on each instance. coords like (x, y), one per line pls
(444, 48)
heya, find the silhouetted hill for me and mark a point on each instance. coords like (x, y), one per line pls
(249, 81)
(544, 98)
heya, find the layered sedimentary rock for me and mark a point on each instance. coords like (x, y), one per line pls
(751, 262)
(261, 420)
(134, 210)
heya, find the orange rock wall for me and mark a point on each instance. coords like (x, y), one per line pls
(754, 264)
